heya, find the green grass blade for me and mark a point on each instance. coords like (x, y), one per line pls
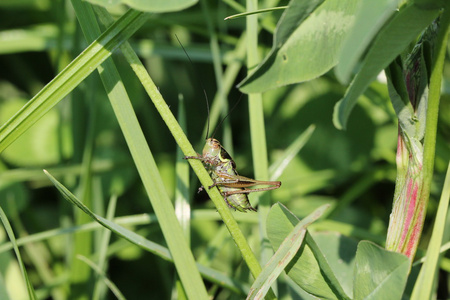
(140, 219)
(12, 237)
(277, 168)
(258, 130)
(259, 11)
(71, 76)
(423, 289)
(182, 199)
(102, 276)
(103, 249)
(148, 171)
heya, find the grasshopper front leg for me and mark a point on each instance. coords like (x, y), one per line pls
(194, 157)
(205, 162)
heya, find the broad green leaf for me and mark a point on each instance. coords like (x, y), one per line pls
(287, 250)
(339, 251)
(399, 98)
(158, 6)
(369, 18)
(400, 31)
(307, 43)
(379, 273)
(320, 279)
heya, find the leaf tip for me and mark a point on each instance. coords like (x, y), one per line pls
(338, 118)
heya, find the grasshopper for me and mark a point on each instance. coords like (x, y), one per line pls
(222, 169)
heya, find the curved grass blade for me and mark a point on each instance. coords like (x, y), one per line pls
(12, 237)
(140, 241)
(259, 11)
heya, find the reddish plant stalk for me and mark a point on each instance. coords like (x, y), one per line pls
(407, 215)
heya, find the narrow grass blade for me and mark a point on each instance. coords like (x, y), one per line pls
(113, 288)
(258, 133)
(103, 249)
(140, 219)
(182, 199)
(12, 237)
(423, 289)
(259, 11)
(277, 168)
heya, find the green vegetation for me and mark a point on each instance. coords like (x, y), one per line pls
(101, 95)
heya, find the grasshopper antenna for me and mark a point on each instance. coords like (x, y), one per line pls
(204, 91)
(229, 113)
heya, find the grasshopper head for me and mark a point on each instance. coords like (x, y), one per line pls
(212, 147)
